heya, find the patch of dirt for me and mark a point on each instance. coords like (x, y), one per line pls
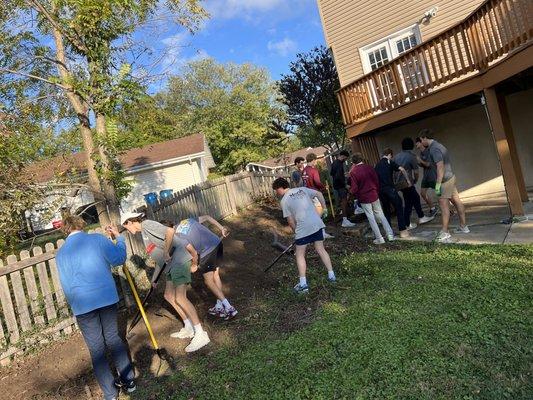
(63, 369)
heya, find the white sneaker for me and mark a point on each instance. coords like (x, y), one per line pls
(462, 229)
(426, 219)
(391, 238)
(328, 236)
(358, 210)
(346, 223)
(411, 226)
(184, 333)
(443, 237)
(198, 341)
(379, 241)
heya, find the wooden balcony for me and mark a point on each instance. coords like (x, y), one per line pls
(487, 38)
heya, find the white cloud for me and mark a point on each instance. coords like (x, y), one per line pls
(283, 47)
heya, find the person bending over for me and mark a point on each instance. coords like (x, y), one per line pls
(211, 251)
(159, 240)
(299, 209)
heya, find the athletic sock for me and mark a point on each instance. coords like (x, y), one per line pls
(219, 304)
(198, 329)
(187, 323)
(303, 281)
(331, 274)
(226, 304)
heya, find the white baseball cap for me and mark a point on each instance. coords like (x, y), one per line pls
(124, 217)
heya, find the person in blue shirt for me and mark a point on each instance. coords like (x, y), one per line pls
(84, 263)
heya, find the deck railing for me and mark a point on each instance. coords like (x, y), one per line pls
(486, 36)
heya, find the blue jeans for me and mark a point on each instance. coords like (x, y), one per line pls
(99, 329)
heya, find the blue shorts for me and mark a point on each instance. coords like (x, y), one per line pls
(314, 237)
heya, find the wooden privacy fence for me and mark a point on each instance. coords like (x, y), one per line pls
(218, 198)
(489, 34)
(33, 308)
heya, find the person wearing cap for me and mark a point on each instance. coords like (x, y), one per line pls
(178, 264)
(84, 264)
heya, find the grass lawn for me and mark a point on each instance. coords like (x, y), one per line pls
(422, 322)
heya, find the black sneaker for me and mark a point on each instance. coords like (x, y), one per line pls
(128, 387)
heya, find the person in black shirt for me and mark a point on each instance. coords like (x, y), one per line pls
(296, 176)
(387, 192)
(339, 186)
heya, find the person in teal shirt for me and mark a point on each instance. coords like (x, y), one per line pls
(84, 264)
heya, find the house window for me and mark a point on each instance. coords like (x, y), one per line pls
(412, 72)
(378, 57)
(379, 53)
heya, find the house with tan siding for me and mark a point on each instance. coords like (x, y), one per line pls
(175, 164)
(459, 67)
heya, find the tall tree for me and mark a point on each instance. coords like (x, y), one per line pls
(234, 105)
(89, 44)
(308, 92)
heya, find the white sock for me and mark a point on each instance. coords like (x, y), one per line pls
(303, 281)
(187, 323)
(226, 304)
(344, 219)
(198, 329)
(219, 304)
(331, 274)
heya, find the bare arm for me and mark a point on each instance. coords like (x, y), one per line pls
(320, 197)
(211, 220)
(440, 171)
(194, 254)
(169, 236)
(292, 223)
(406, 175)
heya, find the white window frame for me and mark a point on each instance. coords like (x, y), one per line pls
(390, 45)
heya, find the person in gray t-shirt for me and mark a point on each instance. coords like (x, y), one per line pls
(445, 185)
(299, 209)
(429, 177)
(159, 241)
(407, 159)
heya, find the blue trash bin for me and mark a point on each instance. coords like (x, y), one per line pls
(151, 199)
(165, 194)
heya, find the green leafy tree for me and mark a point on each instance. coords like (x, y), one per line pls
(308, 92)
(234, 105)
(89, 45)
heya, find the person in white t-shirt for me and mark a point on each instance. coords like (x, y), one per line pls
(299, 209)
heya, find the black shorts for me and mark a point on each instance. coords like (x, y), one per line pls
(211, 261)
(314, 237)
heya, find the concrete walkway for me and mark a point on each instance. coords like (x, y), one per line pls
(484, 220)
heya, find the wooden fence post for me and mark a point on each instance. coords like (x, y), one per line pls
(231, 194)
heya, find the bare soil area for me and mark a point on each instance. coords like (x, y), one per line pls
(62, 370)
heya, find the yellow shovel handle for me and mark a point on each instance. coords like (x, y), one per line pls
(141, 308)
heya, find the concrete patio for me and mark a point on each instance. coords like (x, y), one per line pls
(484, 217)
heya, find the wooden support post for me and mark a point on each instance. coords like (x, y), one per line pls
(507, 152)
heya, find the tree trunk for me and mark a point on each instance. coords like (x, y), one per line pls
(107, 186)
(82, 111)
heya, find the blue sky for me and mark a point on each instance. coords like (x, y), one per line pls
(268, 33)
